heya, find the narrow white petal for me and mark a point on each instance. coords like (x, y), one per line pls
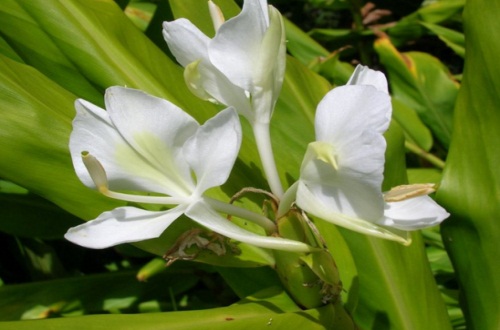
(413, 213)
(156, 129)
(363, 75)
(122, 225)
(207, 217)
(212, 151)
(186, 42)
(269, 70)
(235, 49)
(321, 208)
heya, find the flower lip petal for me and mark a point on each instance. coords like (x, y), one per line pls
(122, 225)
(413, 213)
(310, 203)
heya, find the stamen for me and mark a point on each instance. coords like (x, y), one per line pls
(98, 175)
(403, 192)
(96, 171)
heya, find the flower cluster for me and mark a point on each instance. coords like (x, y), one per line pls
(146, 144)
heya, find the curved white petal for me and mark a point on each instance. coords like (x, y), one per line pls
(363, 75)
(186, 42)
(236, 48)
(122, 225)
(189, 46)
(218, 86)
(270, 66)
(348, 111)
(156, 130)
(94, 132)
(413, 213)
(308, 200)
(209, 218)
(341, 195)
(212, 151)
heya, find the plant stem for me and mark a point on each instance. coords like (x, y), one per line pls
(439, 163)
(239, 212)
(355, 7)
(265, 149)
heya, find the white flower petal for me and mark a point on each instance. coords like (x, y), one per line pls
(189, 46)
(235, 49)
(270, 66)
(363, 75)
(413, 213)
(122, 225)
(218, 86)
(186, 42)
(346, 112)
(93, 131)
(321, 208)
(341, 195)
(209, 218)
(156, 129)
(212, 151)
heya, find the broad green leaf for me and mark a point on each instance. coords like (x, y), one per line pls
(470, 189)
(453, 39)
(140, 13)
(301, 45)
(415, 131)
(197, 12)
(31, 216)
(441, 11)
(36, 117)
(92, 293)
(422, 83)
(267, 309)
(437, 14)
(247, 281)
(424, 175)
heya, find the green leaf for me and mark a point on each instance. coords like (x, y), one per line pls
(415, 131)
(92, 293)
(36, 117)
(32, 216)
(201, 17)
(268, 309)
(453, 39)
(424, 175)
(301, 45)
(470, 189)
(422, 83)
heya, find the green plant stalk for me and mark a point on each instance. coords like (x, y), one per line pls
(434, 160)
(355, 8)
